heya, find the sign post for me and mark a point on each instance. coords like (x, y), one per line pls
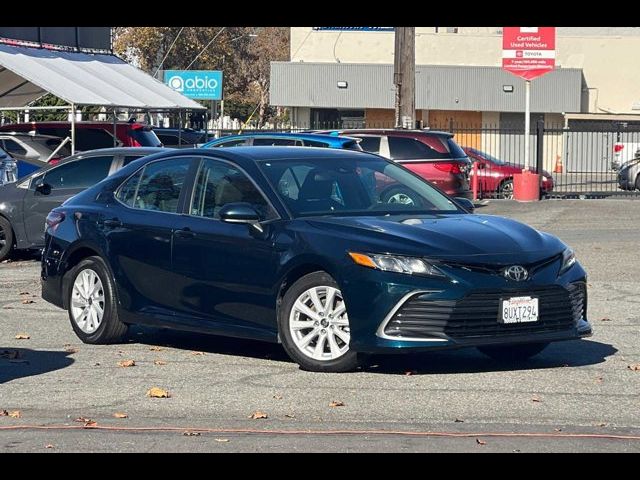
(528, 52)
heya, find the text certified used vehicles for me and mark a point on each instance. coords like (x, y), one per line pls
(296, 245)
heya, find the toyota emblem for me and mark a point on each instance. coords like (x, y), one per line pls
(517, 273)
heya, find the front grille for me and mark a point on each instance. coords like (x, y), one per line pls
(476, 315)
(498, 269)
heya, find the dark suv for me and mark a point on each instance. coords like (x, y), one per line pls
(433, 155)
(93, 135)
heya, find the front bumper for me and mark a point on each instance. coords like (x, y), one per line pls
(377, 299)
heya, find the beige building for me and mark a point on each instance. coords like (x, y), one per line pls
(605, 56)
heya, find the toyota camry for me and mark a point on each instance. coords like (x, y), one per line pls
(301, 246)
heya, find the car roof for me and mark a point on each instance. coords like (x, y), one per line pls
(385, 131)
(332, 139)
(32, 135)
(270, 153)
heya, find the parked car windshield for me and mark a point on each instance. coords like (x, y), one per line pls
(366, 185)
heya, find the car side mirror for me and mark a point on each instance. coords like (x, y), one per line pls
(43, 189)
(465, 203)
(239, 213)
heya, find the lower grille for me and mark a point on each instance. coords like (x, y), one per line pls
(476, 315)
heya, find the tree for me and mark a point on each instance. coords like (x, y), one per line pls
(242, 53)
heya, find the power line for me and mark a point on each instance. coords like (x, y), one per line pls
(168, 51)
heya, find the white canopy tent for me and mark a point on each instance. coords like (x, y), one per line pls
(81, 79)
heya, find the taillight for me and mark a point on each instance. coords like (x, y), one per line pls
(55, 160)
(449, 167)
(618, 147)
(54, 219)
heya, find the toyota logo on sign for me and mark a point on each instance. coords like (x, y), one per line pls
(517, 273)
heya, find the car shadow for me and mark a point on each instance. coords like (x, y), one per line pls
(22, 362)
(574, 353)
(207, 343)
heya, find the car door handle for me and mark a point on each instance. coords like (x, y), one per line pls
(185, 233)
(112, 223)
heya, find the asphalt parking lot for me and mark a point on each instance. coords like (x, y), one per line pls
(397, 403)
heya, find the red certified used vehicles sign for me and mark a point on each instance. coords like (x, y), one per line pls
(529, 52)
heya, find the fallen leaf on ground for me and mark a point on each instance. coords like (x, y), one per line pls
(126, 363)
(336, 403)
(458, 420)
(27, 301)
(97, 364)
(4, 413)
(480, 442)
(156, 349)
(48, 446)
(557, 429)
(605, 319)
(191, 434)
(197, 353)
(71, 350)
(410, 372)
(24, 293)
(258, 415)
(159, 362)
(120, 415)
(91, 423)
(156, 392)
(221, 440)
(277, 397)
(10, 354)
(289, 415)
(22, 336)
(83, 420)
(536, 398)
(601, 424)
(634, 366)
(15, 414)
(8, 307)
(599, 379)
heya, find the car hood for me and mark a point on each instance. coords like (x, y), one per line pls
(462, 237)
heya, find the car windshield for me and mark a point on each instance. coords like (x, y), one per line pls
(491, 158)
(367, 185)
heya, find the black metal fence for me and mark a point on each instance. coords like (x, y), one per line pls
(576, 159)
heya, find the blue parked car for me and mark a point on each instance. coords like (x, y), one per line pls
(296, 245)
(285, 139)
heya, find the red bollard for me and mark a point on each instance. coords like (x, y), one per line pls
(474, 181)
(526, 186)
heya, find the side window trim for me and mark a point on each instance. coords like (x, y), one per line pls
(193, 185)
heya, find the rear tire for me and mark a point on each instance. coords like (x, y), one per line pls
(505, 190)
(399, 195)
(92, 303)
(314, 326)
(513, 353)
(6, 239)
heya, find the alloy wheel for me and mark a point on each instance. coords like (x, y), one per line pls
(507, 191)
(87, 301)
(319, 324)
(401, 198)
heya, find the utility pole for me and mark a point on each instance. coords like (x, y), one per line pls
(404, 76)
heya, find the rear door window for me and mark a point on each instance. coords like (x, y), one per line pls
(232, 143)
(406, 148)
(157, 186)
(288, 142)
(370, 144)
(80, 173)
(14, 147)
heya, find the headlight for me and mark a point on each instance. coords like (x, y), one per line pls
(396, 263)
(568, 260)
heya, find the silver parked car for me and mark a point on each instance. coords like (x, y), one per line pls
(33, 147)
(629, 174)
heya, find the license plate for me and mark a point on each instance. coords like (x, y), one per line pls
(519, 310)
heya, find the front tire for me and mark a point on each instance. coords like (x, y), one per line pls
(513, 353)
(6, 239)
(401, 196)
(505, 190)
(314, 325)
(92, 303)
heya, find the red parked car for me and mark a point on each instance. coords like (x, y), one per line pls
(433, 155)
(495, 177)
(93, 135)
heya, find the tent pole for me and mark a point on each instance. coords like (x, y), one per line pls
(73, 129)
(115, 136)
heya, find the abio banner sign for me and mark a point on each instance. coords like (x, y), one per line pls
(529, 52)
(200, 84)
